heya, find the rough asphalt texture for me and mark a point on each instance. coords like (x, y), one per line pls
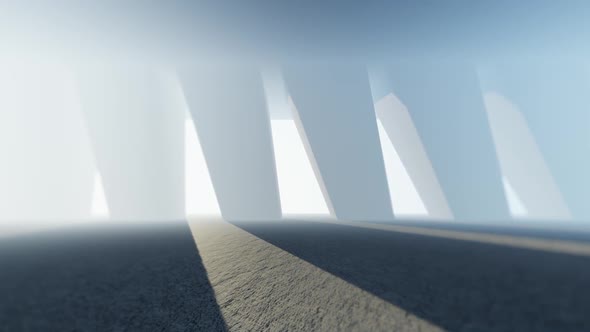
(97, 279)
(286, 276)
(260, 287)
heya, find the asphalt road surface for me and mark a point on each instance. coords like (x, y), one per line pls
(290, 276)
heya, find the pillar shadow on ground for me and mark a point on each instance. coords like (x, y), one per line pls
(457, 285)
(131, 278)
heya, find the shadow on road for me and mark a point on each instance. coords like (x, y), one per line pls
(457, 285)
(99, 279)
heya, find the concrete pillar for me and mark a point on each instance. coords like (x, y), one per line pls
(553, 98)
(447, 109)
(400, 129)
(46, 170)
(522, 162)
(228, 106)
(335, 116)
(135, 117)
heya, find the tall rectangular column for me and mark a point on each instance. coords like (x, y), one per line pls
(553, 98)
(447, 109)
(522, 162)
(47, 167)
(136, 123)
(402, 133)
(229, 110)
(335, 115)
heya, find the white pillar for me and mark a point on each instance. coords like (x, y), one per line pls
(335, 115)
(522, 162)
(553, 98)
(447, 109)
(47, 170)
(228, 106)
(135, 117)
(400, 129)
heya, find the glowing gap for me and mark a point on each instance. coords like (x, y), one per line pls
(405, 200)
(515, 204)
(199, 191)
(100, 207)
(299, 190)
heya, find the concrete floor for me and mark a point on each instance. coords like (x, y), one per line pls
(290, 276)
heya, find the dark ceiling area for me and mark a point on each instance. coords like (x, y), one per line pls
(373, 29)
